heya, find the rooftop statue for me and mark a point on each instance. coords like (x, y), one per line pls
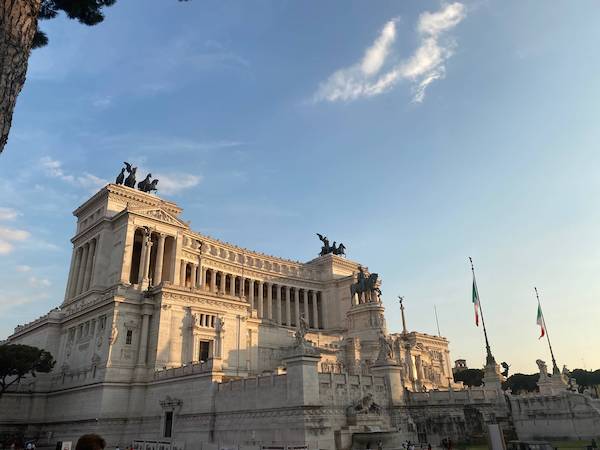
(506, 367)
(145, 185)
(326, 248)
(130, 180)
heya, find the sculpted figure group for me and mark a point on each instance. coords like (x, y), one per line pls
(335, 249)
(146, 185)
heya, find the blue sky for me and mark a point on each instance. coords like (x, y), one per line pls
(416, 133)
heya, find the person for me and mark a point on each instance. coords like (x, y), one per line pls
(90, 442)
(428, 446)
(380, 445)
(117, 447)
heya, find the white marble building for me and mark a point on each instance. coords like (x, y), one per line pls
(169, 336)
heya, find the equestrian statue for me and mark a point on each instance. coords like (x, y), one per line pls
(366, 288)
(145, 185)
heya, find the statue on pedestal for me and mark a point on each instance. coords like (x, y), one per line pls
(386, 352)
(366, 287)
(335, 249)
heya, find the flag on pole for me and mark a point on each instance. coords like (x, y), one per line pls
(476, 301)
(540, 321)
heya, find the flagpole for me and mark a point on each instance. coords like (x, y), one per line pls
(554, 366)
(489, 357)
(436, 320)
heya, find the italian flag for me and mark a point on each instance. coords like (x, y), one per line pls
(476, 302)
(540, 321)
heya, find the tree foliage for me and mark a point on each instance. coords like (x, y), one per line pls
(586, 378)
(88, 12)
(469, 377)
(520, 383)
(18, 361)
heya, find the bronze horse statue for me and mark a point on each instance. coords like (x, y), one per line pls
(365, 285)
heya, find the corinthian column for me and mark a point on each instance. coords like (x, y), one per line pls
(147, 261)
(142, 257)
(278, 303)
(269, 301)
(260, 300)
(193, 276)
(81, 276)
(288, 313)
(89, 264)
(182, 271)
(251, 293)
(143, 339)
(158, 265)
(315, 310)
(296, 306)
(306, 310)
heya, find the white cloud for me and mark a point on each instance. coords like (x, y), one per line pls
(175, 183)
(9, 301)
(9, 235)
(422, 68)
(53, 168)
(39, 282)
(102, 102)
(23, 268)
(8, 213)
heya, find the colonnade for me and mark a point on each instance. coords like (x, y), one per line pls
(151, 258)
(82, 268)
(276, 302)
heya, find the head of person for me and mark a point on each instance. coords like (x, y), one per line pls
(90, 442)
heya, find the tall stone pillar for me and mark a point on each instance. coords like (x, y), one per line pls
(261, 312)
(251, 293)
(88, 265)
(315, 310)
(302, 379)
(146, 279)
(71, 275)
(288, 312)
(222, 283)
(296, 306)
(269, 301)
(193, 280)
(182, 270)
(81, 275)
(242, 286)
(278, 303)
(393, 380)
(160, 254)
(306, 309)
(203, 277)
(73, 287)
(213, 280)
(142, 257)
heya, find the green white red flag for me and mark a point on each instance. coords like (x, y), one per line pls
(540, 321)
(476, 301)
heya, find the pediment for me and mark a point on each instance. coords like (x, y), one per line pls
(158, 214)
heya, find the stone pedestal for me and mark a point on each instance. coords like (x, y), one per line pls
(552, 384)
(393, 380)
(365, 323)
(302, 377)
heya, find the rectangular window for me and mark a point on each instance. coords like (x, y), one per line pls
(204, 350)
(128, 337)
(102, 322)
(168, 424)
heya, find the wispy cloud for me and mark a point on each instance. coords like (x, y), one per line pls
(36, 282)
(427, 64)
(8, 213)
(12, 300)
(10, 235)
(88, 181)
(23, 268)
(176, 182)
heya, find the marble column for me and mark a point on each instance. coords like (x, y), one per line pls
(147, 261)
(143, 252)
(251, 293)
(269, 301)
(158, 264)
(260, 300)
(88, 265)
(194, 274)
(73, 287)
(71, 274)
(278, 303)
(203, 277)
(213, 280)
(306, 311)
(222, 283)
(296, 306)
(315, 310)
(242, 287)
(143, 340)
(182, 267)
(81, 276)
(288, 313)
(232, 285)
